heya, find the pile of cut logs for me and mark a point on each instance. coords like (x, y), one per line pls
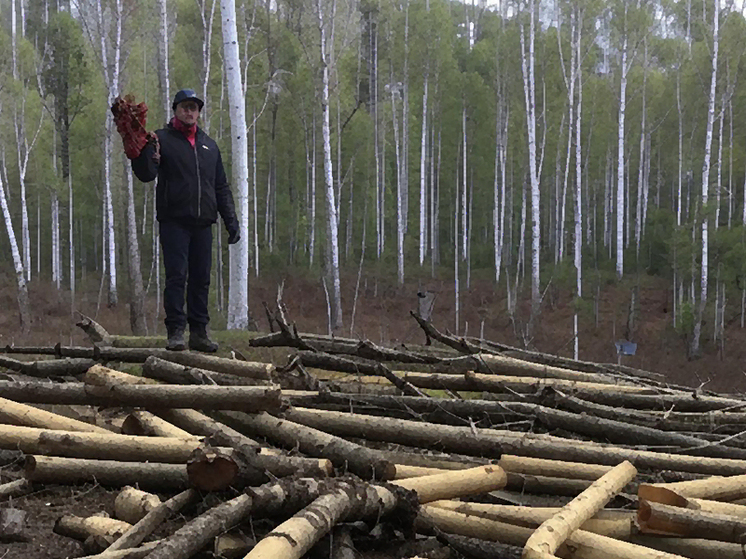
(464, 447)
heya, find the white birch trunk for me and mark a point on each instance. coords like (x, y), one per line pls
(423, 173)
(238, 290)
(332, 227)
(400, 194)
(254, 199)
(694, 349)
(641, 175)
(22, 296)
(137, 295)
(620, 190)
(464, 178)
(529, 90)
(163, 57)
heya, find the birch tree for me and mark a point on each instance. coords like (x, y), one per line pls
(326, 29)
(22, 295)
(529, 93)
(703, 279)
(238, 289)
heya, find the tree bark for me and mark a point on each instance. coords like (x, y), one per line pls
(141, 422)
(15, 488)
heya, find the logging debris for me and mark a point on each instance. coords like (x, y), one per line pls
(347, 448)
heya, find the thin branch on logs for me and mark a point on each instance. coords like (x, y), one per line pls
(459, 344)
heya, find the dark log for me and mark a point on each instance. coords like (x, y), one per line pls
(656, 518)
(542, 485)
(12, 364)
(492, 443)
(479, 549)
(459, 344)
(173, 373)
(45, 392)
(153, 475)
(636, 435)
(424, 408)
(344, 454)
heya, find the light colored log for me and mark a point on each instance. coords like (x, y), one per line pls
(552, 468)
(96, 445)
(104, 376)
(731, 509)
(51, 469)
(611, 523)
(667, 520)
(132, 504)
(579, 545)
(14, 413)
(102, 384)
(141, 422)
(152, 520)
(499, 364)
(405, 472)
(15, 489)
(81, 528)
(493, 382)
(456, 483)
(553, 532)
(714, 488)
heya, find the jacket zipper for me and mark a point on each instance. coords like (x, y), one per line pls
(199, 182)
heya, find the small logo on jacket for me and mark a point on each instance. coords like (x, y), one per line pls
(205, 147)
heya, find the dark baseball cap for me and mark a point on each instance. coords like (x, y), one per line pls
(187, 95)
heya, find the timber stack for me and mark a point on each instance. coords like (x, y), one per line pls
(341, 448)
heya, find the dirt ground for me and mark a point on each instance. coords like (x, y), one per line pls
(382, 316)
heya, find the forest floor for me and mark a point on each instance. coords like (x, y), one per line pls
(381, 315)
(614, 312)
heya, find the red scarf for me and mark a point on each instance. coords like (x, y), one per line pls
(190, 132)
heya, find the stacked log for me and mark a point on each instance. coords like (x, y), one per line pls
(557, 458)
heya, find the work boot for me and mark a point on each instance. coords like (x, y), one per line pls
(199, 341)
(176, 339)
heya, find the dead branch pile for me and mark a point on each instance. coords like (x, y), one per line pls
(462, 448)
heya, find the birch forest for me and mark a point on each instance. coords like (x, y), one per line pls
(575, 143)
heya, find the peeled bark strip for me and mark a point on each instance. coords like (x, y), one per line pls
(29, 416)
(81, 528)
(96, 445)
(611, 523)
(141, 422)
(714, 488)
(362, 461)
(132, 504)
(151, 521)
(551, 468)
(15, 488)
(241, 398)
(46, 469)
(553, 532)
(173, 373)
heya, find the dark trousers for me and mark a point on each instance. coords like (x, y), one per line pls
(187, 259)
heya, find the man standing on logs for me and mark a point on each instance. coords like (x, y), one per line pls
(192, 190)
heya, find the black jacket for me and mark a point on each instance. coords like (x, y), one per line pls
(192, 186)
